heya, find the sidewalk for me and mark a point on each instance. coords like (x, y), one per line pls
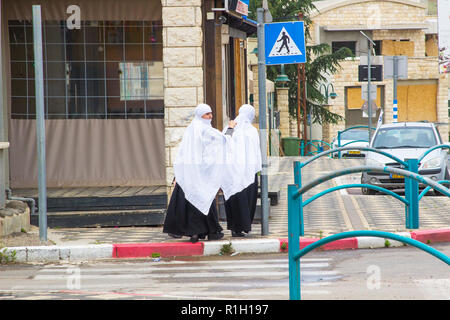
(331, 214)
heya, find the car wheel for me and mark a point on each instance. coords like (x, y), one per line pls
(447, 177)
(367, 191)
(447, 185)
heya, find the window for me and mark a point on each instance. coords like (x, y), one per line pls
(106, 69)
(404, 137)
(336, 45)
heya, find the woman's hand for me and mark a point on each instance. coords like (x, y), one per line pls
(231, 124)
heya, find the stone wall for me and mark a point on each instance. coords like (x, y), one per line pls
(183, 71)
(14, 218)
(283, 108)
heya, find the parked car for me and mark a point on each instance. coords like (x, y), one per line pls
(405, 140)
(347, 139)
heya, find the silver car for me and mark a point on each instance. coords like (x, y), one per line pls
(352, 138)
(405, 140)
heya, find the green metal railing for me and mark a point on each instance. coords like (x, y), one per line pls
(411, 202)
(317, 144)
(351, 142)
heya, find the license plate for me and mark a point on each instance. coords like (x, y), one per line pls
(354, 152)
(397, 176)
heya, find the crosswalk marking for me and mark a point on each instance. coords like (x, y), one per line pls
(199, 279)
(186, 268)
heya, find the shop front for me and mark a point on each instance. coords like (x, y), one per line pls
(103, 86)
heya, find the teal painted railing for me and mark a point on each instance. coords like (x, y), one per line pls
(295, 254)
(317, 144)
(411, 202)
(348, 129)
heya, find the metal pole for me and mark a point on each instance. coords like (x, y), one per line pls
(369, 98)
(412, 195)
(263, 124)
(298, 101)
(40, 121)
(369, 76)
(2, 132)
(294, 207)
(395, 107)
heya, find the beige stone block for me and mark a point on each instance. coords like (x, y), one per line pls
(182, 3)
(169, 176)
(179, 17)
(199, 56)
(184, 36)
(174, 135)
(180, 117)
(181, 57)
(200, 95)
(168, 160)
(179, 97)
(181, 77)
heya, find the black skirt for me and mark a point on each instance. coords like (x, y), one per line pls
(183, 219)
(240, 208)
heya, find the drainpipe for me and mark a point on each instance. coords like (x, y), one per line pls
(30, 201)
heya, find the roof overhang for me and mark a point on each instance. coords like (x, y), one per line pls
(238, 22)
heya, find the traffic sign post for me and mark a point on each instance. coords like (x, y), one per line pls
(285, 43)
(395, 67)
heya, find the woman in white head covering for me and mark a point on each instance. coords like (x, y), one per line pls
(198, 176)
(241, 195)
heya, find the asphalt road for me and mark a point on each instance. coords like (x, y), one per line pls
(377, 274)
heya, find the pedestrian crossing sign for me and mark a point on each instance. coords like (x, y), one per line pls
(284, 43)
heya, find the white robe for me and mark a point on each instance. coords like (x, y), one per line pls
(200, 161)
(245, 154)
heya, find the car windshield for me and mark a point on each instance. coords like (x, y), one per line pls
(355, 135)
(404, 137)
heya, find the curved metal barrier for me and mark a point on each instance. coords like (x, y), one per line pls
(354, 148)
(319, 147)
(429, 188)
(348, 129)
(295, 253)
(411, 202)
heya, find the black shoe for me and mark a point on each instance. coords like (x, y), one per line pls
(239, 234)
(215, 236)
(176, 236)
(194, 238)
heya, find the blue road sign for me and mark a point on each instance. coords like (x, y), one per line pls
(284, 43)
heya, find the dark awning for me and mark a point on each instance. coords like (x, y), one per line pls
(238, 22)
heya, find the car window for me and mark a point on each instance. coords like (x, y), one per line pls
(355, 135)
(404, 137)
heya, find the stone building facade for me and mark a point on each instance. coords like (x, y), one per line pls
(138, 69)
(398, 27)
(183, 71)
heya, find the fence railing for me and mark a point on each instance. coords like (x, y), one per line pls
(411, 202)
(351, 142)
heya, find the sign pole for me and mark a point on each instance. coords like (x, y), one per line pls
(263, 123)
(369, 98)
(395, 107)
(369, 76)
(40, 121)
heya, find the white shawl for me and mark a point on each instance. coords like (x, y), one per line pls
(199, 165)
(246, 157)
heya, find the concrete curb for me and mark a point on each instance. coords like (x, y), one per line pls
(208, 248)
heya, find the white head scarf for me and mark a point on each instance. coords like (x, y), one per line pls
(199, 163)
(246, 152)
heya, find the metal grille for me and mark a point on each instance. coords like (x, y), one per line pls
(105, 69)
